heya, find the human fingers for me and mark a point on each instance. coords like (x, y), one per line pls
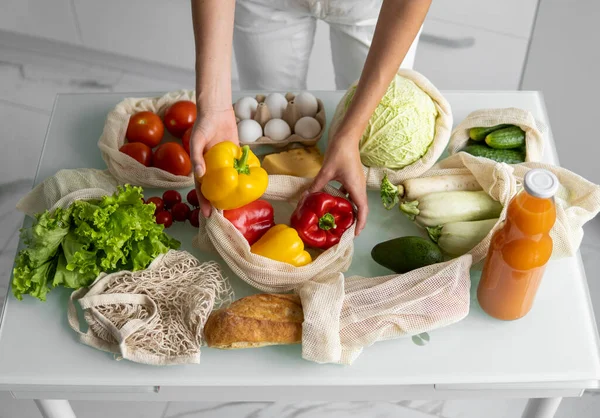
(358, 195)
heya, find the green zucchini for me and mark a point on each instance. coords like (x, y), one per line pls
(477, 134)
(508, 156)
(507, 138)
(404, 254)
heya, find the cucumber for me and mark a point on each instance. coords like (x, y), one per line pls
(405, 254)
(477, 134)
(507, 138)
(508, 156)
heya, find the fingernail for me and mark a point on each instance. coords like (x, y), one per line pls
(199, 170)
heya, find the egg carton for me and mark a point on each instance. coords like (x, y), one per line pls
(291, 115)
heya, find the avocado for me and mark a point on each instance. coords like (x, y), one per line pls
(404, 254)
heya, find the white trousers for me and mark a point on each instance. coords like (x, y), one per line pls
(273, 40)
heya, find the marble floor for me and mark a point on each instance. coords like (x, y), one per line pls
(27, 93)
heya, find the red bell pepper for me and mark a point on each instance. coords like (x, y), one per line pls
(252, 220)
(321, 219)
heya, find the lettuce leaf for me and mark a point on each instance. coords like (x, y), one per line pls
(71, 247)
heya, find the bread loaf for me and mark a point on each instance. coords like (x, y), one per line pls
(256, 321)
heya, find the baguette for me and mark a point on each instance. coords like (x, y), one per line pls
(256, 321)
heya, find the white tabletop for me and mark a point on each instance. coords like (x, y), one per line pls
(555, 345)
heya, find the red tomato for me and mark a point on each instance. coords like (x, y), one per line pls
(180, 211)
(179, 117)
(145, 127)
(192, 198)
(171, 197)
(185, 140)
(139, 152)
(194, 218)
(158, 202)
(172, 157)
(164, 218)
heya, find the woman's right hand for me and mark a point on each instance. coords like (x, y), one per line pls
(211, 127)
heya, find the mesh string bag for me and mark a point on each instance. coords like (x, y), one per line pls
(153, 316)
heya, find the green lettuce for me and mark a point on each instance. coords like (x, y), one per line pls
(402, 127)
(71, 247)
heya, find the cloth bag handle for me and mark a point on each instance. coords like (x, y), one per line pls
(121, 335)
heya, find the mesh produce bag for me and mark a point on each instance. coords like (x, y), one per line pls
(153, 316)
(577, 200)
(124, 168)
(343, 316)
(484, 118)
(443, 126)
(65, 187)
(217, 233)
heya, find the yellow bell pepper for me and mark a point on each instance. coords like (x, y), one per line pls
(233, 176)
(282, 243)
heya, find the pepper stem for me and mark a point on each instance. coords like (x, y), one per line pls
(241, 165)
(327, 222)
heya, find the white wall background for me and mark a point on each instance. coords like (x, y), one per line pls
(563, 63)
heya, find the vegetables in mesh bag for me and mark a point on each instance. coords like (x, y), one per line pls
(71, 246)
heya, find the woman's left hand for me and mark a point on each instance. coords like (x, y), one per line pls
(342, 164)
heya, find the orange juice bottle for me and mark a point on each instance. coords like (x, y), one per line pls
(519, 251)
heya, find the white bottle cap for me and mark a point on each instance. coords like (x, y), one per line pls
(540, 183)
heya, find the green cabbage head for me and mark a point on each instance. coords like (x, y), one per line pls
(401, 128)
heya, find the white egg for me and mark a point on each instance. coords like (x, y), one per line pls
(249, 130)
(277, 129)
(307, 104)
(307, 127)
(245, 107)
(276, 102)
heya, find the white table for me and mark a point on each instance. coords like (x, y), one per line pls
(551, 353)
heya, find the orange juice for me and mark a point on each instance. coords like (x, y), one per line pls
(519, 251)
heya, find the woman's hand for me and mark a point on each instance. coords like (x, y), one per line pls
(211, 127)
(342, 164)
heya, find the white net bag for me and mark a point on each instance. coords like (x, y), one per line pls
(343, 316)
(153, 316)
(217, 233)
(577, 200)
(124, 168)
(66, 186)
(485, 118)
(443, 126)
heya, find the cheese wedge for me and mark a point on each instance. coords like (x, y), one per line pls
(299, 162)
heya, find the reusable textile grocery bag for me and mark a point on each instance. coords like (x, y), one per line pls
(126, 169)
(577, 200)
(342, 316)
(443, 126)
(484, 118)
(217, 233)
